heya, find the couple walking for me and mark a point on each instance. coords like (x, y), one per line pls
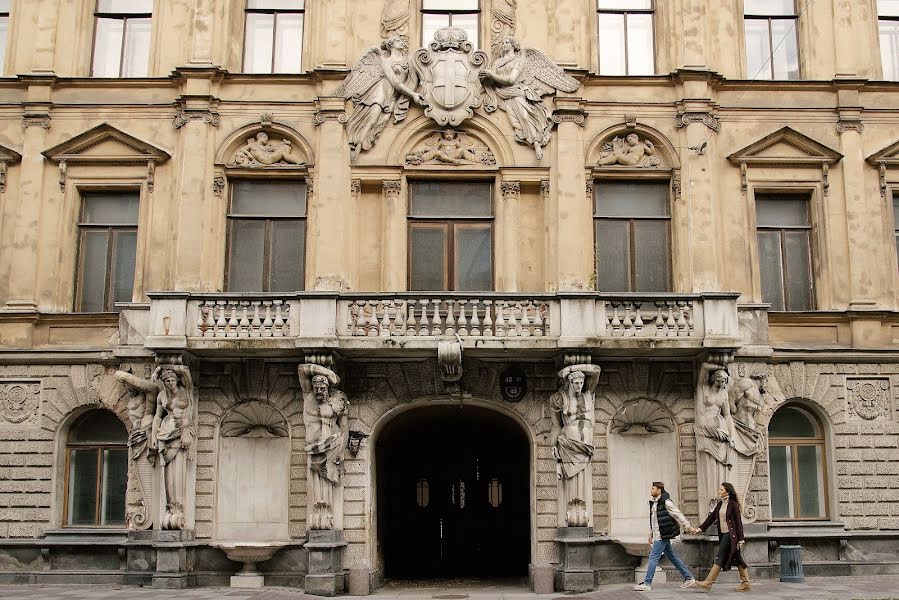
(666, 522)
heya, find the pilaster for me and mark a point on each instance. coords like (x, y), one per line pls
(509, 265)
(393, 263)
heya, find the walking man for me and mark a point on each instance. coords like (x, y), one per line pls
(665, 522)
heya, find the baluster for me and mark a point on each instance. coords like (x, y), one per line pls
(450, 317)
(671, 322)
(221, 323)
(488, 319)
(681, 319)
(423, 323)
(267, 321)
(463, 319)
(475, 322)
(399, 320)
(512, 329)
(371, 319)
(525, 326)
(202, 311)
(384, 321)
(256, 323)
(231, 330)
(243, 326)
(436, 320)
(500, 321)
(627, 324)
(614, 322)
(690, 318)
(538, 319)
(638, 321)
(660, 321)
(278, 321)
(410, 322)
(209, 319)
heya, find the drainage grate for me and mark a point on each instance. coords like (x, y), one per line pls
(450, 597)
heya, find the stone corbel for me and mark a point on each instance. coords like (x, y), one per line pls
(218, 185)
(882, 169)
(544, 188)
(630, 121)
(63, 170)
(825, 169)
(675, 185)
(266, 119)
(589, 188)
(744, 179)
(151, 175)
(355, 189)
(449, 357)
(709, 120)
(309, 187)
(2, 176)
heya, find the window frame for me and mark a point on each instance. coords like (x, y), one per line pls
(111, 229)
(422, 11)
(793, 443)
(267, 235)
(124, 17)
(623, 11)
(449, 224)
(275, 12)
(891, 18)
(768, 18)
(4, 46)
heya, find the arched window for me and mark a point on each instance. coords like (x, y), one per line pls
(96, 471)
(796, 460)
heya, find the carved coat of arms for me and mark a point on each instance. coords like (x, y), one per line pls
(448, 74)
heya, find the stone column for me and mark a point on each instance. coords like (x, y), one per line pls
(509, 264)
(332, 208)
(572, 216)
(395, 233)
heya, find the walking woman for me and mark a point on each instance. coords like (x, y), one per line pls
(730, 538)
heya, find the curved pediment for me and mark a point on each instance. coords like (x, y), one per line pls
(632, 148)
(474, 146)
(786, 146)
(267, 146)
(105, 144)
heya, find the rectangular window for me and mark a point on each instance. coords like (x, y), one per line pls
(772, 47)
(450, 236)
(273, 42)
(888, 25)
(122, 38)
(464, 14)
(785, 251)
(4, 32)
(626, 39)
(107, 250)
(267, 236)
(631, 224)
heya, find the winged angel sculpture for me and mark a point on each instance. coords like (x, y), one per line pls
(516, 83)
(380, 86)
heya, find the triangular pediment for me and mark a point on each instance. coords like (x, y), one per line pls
(786, 146)
(105, 144)
(9, 155)
(886, 156)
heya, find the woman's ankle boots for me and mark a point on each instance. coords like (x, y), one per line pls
(713, 575)
(745, 584)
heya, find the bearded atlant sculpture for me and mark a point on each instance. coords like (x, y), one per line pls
(141, 406)
(380, 86)
(327, 431)
(571, 438)
(516, 83)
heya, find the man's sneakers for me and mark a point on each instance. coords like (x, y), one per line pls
(688, 583)
(643, 587)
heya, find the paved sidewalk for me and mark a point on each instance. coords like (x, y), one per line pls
(818, 588)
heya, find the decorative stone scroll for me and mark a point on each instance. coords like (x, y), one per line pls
(502, 24)
(631, 151)
(869, 399)
(260, 152)
(448, 72)
(449, 147)
(19, 403)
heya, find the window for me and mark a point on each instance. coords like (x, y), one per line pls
(96, 471)
(785, 256)
(896, 220)
(451, 236)
(122, 38)
(625, 32)
(796, 464)
(4, 32)
(631, 223)
(267, 236)
(772, 49)
(273, 42)
(888, 24)
(463, 14)
(107, 250)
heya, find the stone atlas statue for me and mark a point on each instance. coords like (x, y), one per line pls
(141, 407)
(714, 428)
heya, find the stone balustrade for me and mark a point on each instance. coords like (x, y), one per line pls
(242, 318)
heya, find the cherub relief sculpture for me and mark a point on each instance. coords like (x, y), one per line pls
(380, 86)
(141, 406)
(174, 435)
(259, 151)
(629, 152)
(327, 431)
(451, 148)
(516, 83)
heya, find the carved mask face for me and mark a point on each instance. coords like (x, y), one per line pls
(576, 382)
(320, 388)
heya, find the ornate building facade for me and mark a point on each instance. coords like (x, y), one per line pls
(426, 288)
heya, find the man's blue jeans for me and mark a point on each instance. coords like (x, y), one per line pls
(658, 549)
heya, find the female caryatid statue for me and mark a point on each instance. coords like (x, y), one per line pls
(327, 430)
(571, 439)
(714, 428)
(380, 86)
(519, 79)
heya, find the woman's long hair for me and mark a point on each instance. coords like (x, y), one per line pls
(732, 493)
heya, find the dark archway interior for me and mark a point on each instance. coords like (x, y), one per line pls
(453, 499)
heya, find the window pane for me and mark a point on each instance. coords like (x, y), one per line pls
(115, 479)
(613, 256)
(611, 44)
(100, 427)
(125, 6)
(4, 33)
(428, 248)
(896, 212)
(786, 53)
(289, 44)
(135, 62)
(771, 269)
(798, 272)
(468, 23)
(82, 509)
(274, 198)
(474, 258)
(790, 422)
(449, 4)
(653, 250)
(781, 211)
(757, 49)
(781, 469)
(108, 47)
(624, 4)
(888, 8)
(247, 254)
(631, 200)
(111, 209)
(640, 51)
(93, 271)
(4, 6)
(288, 255)
(811, 481)
(889, 49)
(769, 7)
(125, 257)
(258, 43)
(450, 199)
(430, 24)
(276, 4)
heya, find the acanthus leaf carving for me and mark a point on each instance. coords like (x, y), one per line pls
(450, 147)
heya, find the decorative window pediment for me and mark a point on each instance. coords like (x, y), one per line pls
(786, 147)
(105, 144)
(265, 147)
(632, 150)
(450, 147)
(886, 158)
(8, 156)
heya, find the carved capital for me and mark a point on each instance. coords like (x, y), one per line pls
(356, 187)
(37, 120)
(309, 186)
(675, 186)
(544, 187)
(63, 171)
(218, 185)
(589, 188)
(151, 175)
(570, 116)
(392, 187)
(321, 116)
(844, 125)
(2, 176)
(510, 188)
(707, 119)
(206, 116)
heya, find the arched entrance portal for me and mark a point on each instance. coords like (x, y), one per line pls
(452, 494)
